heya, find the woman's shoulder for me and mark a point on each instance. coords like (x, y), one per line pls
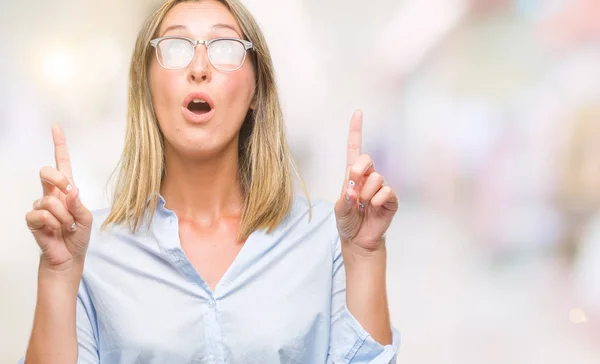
(319, 208)
(100, 214)
(98, 233)
(313, 214)
(113, 234)
(115, 248)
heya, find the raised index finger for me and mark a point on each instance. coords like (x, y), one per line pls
(354, 139)
(61, 153)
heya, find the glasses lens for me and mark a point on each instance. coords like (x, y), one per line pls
(175, 53)
(226, 54)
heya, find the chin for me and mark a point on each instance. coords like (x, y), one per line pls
(200, 141)
(201, 147)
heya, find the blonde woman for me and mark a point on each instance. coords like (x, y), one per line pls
(206, 255)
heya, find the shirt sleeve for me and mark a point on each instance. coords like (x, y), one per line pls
(350, 343)
(86, 329)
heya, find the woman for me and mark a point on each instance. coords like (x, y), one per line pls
(206, 255)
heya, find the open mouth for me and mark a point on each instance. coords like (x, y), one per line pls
(199, 106)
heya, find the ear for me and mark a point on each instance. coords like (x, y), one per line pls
(253, 103)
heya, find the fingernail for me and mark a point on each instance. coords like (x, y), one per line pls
(69, 188)
(347, 197)
(351, 184)
(73, 227)
(36, 204)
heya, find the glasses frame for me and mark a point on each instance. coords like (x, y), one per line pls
(247, 45)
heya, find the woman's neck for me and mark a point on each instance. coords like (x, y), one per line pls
(203, 190)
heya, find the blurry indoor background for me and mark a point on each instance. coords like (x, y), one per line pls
(483, 114)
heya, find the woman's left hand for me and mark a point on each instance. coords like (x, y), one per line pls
(366, 207)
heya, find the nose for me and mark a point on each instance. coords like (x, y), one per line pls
(199, 69)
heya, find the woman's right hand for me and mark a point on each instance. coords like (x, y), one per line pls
(59, 222)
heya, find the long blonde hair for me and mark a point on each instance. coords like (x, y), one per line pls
(266, 167)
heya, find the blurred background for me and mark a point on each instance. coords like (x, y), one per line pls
(483, 114)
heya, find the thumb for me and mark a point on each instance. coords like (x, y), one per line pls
(346, 204)
(82, 215)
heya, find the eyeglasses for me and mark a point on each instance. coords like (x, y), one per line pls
(225, 54)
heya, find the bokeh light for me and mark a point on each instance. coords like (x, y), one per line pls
(59, 66)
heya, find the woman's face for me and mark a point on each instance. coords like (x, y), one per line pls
(190, 129)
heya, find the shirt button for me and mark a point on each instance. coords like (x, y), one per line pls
(211, 304)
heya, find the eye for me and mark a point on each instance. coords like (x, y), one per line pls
(223, 47)
(177, 48)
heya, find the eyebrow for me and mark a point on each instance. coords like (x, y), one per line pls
(173, 27)
(226, 26)
(215, 26)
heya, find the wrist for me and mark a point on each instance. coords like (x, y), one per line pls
(356, 257)
(364, 250)
(69, 272)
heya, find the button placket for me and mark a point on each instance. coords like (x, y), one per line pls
(213, 330)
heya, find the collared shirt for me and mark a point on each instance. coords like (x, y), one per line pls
(282, 300)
